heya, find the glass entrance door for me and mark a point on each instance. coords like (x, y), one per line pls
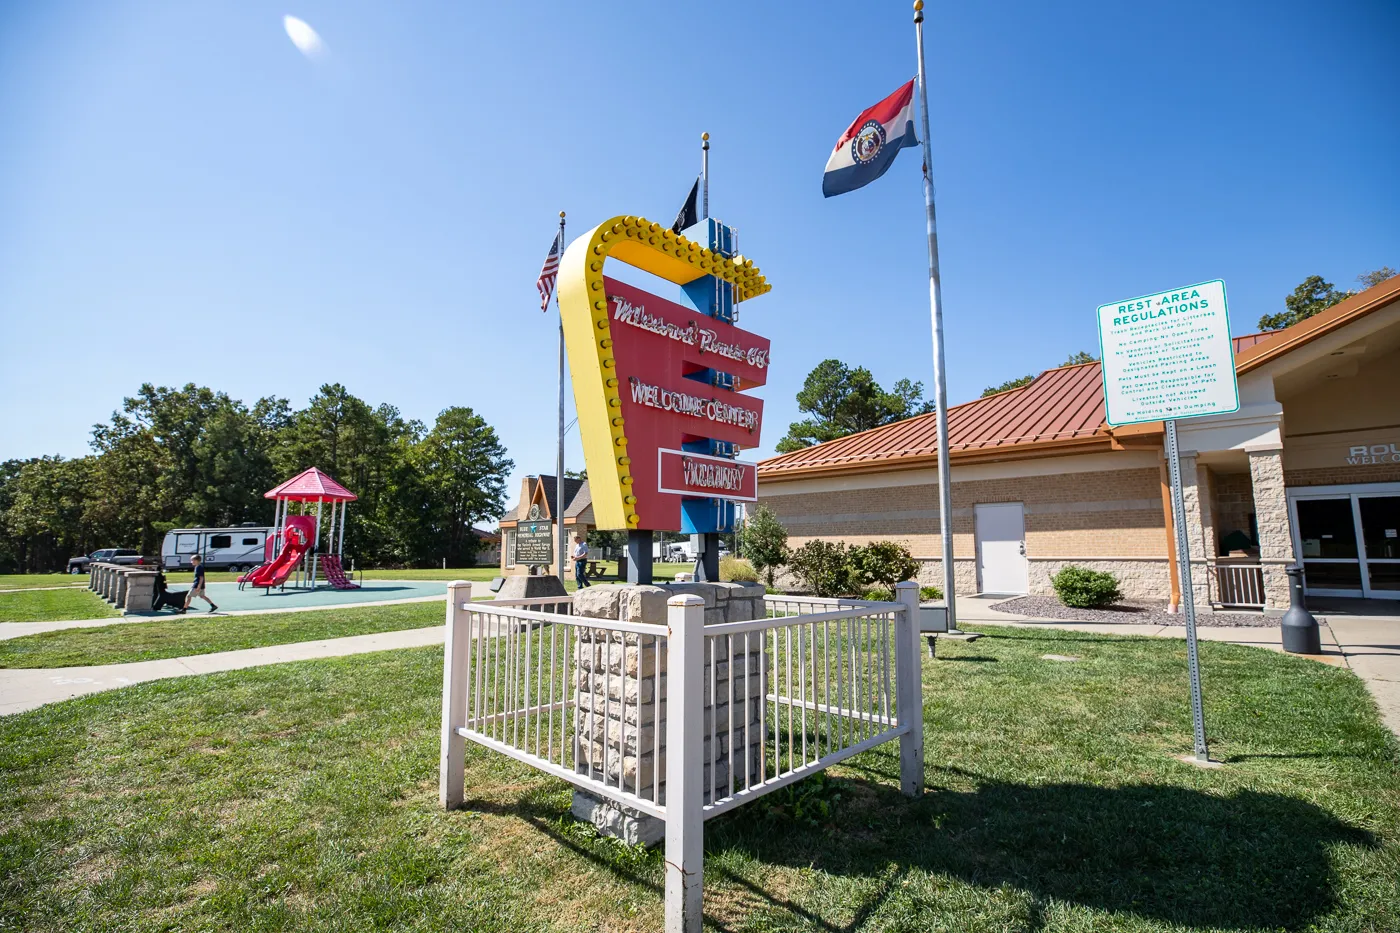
(1379, 517)
(1331, 561)
(1349, 543)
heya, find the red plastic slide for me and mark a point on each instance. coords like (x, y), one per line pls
(273, 574)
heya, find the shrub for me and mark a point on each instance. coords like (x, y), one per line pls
(811, 802)
(763, 540)
(879, 594)
(1081, 588)
(824, 567)
(930, 593)
(883, 562)
(737, 570)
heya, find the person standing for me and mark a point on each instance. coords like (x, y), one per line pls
(580, 554)
(198, 588)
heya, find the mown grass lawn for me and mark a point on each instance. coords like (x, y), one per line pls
(475, 574)
(20, 581)
(195, 633)
(304, 797)
(51, 605)
(36, 605)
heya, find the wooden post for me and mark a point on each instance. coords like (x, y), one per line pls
(909, 693)
(452, 764)
(685, 822)
(1171, 537)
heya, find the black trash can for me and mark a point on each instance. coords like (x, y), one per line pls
(1301, 634)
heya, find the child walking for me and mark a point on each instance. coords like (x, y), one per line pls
(198, 588)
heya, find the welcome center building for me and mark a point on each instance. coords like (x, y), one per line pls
(1307, 471)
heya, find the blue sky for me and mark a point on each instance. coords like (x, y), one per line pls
(185, 197)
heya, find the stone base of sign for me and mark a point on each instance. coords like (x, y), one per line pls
(619, 726)
(630, 826)
(526, 587)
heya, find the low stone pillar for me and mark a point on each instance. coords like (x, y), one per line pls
(1195, 495)
(123, 578)
(619, 680)
(1271, 517)
(140, 591)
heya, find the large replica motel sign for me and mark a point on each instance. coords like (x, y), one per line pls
(660, 385)
(1168, 356)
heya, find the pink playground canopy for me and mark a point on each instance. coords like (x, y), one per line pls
(311, 486)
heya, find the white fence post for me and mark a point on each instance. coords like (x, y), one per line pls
(452, 764)
(909, 690)
(685, 824)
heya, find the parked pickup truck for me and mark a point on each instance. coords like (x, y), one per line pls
(110, 555)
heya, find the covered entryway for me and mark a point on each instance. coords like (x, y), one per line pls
(1348, 538)
(1001, 548)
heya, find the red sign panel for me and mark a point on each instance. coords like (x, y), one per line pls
(687, 474)
(665, 353)
(689, 339)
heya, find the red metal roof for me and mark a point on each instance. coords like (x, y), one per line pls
(311, 486)
(1249, 340)
(1059, 405)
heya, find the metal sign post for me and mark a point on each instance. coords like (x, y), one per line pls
(1188, 598)
(1165, 357)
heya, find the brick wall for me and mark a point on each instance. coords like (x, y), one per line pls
(1111, 513)
(1234, 503)
(1336, 476)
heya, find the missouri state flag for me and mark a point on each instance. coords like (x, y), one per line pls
(864, 152)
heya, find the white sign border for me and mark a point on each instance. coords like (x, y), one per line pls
(1234, 380)
(691, 493)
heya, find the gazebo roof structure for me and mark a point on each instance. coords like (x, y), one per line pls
(311, 485)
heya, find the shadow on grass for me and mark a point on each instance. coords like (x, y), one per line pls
(1246, 861)
(1243, 862)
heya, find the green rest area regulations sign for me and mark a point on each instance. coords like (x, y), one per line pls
(1168, 356)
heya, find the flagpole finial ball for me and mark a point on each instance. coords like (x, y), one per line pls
(705, 136)
(918, 5)
(561, 215)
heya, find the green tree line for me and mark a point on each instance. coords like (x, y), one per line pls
(196, 457)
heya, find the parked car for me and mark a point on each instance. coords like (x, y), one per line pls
(107, 555)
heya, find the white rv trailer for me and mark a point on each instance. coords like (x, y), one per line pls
(239, 548)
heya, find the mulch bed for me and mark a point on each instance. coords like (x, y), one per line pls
(1128, 611)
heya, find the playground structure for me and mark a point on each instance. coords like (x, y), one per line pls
(293, 551)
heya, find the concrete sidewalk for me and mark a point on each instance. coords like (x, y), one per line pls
(1368, 645)
(22, 690)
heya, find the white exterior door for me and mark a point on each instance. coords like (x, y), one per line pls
(1001, 548)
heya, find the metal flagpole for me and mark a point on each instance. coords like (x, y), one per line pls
(1188, 596)
(704, 175)
(560, 541)
(940, 381)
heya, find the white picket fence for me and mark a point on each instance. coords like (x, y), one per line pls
(747, 707)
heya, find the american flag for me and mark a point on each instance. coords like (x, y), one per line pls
(550, 271)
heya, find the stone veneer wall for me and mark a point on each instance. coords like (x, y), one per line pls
(619, 681)
(1138, 578)
(1271, 514)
